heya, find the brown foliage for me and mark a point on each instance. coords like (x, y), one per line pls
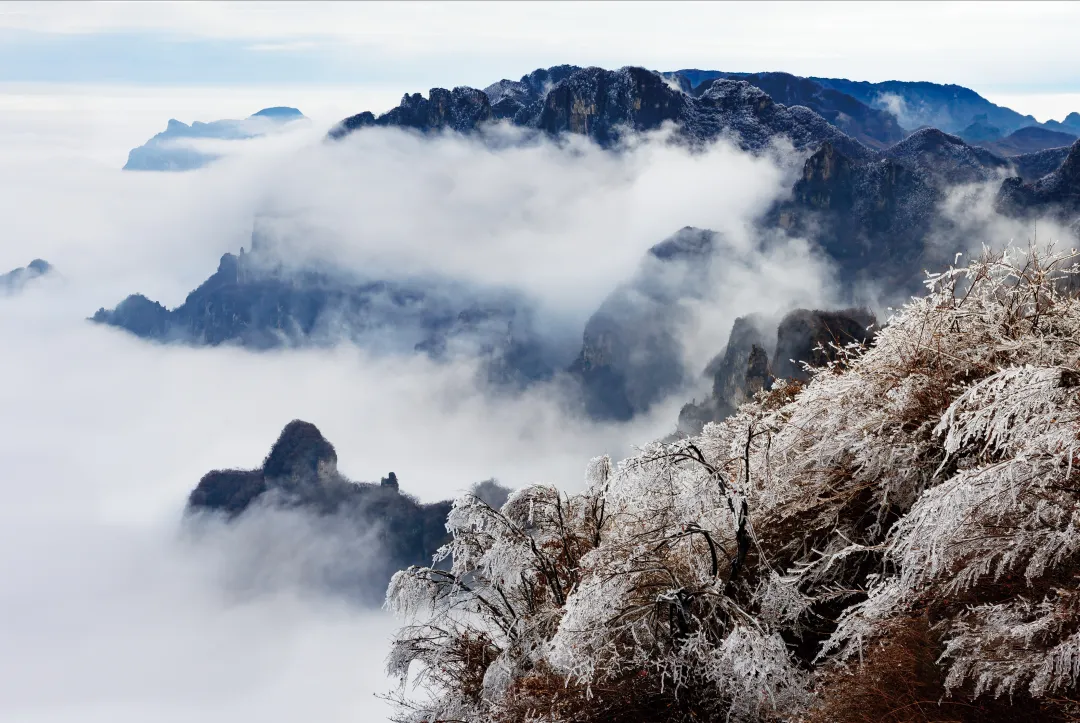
(899, 681)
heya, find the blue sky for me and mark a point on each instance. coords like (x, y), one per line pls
(1008, 49)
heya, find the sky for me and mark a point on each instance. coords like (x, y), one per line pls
(1022, 53)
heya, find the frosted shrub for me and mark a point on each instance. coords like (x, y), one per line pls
(759, 570)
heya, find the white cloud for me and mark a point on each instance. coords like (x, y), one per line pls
(110, 614)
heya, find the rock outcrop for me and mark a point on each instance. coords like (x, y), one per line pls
(1056, 194)
(603, 104)
(253, 302)
(744, 367)
(299, 476)
(14, 280)
(870, 217)
(873, 127)
(631, 354)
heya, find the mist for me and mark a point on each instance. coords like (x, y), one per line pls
(113, 611)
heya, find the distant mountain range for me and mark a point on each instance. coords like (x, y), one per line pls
(16, 279)
(170, 150)
(870, 195)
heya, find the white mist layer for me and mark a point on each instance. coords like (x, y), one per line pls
(108, 612)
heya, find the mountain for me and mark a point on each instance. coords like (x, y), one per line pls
(602, 104)
(16, 279)
(980, 130)
(253, 301)
(945, 158)
(1033, 166)
(870, 217)
(1071, 124)
(744, 368)
(870, 211)
(1029, 140)
(1056, 194)
(631, 355)
(167, 150)
(874, 127)
(951, 108)
(299, 476)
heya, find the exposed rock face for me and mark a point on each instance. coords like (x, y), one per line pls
(802, 331)
(872, 126)
(945, 158)
(602, 104)
(1033, 166)
(870, 217)
(1030, 140)
(163, 152)
(300, 476)
(510, 97)
(249, 302)
(16, 279)
(737, 373)
(744, 367)
(631, 355)
(948, 107)
(461, 109)
(1056, 194)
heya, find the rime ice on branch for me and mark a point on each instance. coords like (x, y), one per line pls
(926, 486)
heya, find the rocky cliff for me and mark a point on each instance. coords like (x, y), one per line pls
(299, 476)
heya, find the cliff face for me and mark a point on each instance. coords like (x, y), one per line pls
(461, 109)
(300, 477)
(873, 127)
(870, 217)
(250, 302)
(631, 355)
(1056, 194)
(750, 363)
(603, 104)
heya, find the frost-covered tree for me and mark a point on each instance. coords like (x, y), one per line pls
(895, 540)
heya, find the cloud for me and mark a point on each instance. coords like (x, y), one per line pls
(110, 612)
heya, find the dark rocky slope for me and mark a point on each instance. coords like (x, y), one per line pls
(603, 104)
(918, 103)
(744, 367)
(631, 354)
(299, 476)
(1056, 194)
(874, 127)
(252, 302)
(1029, 140)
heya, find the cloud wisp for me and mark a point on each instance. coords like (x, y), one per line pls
(113, 614)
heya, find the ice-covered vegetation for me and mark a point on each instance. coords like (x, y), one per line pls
(894, 541)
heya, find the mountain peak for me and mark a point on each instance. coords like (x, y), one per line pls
(300, 449)
(278, 112)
